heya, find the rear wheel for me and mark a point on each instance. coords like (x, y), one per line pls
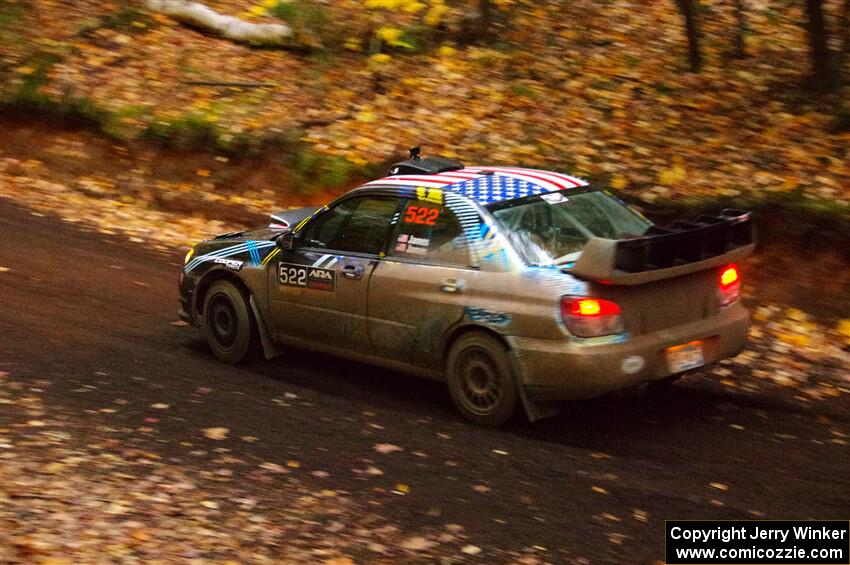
(481, 380)
(229, 324)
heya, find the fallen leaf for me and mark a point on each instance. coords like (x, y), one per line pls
(619, 182)
(273, 467)
(385, 448)
(416, 543)
(216, 433)
(53, 468)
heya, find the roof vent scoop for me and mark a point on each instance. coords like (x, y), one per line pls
(427, 166)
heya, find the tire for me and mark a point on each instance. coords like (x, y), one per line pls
(481, 379)
(229, 323)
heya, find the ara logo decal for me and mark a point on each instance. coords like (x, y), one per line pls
(306, 277)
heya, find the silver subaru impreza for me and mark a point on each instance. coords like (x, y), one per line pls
(518, 287)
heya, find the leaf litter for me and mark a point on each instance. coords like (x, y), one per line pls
(74, 492)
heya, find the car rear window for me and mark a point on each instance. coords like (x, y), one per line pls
(552, 228)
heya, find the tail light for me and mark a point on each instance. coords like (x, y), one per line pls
(730, 285)
(591, 317)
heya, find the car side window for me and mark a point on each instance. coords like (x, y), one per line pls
(356, 225)
(430, 232)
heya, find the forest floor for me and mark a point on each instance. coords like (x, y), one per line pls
(599, 90)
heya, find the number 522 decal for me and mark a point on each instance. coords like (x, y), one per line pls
(306, 277)
(421, 215)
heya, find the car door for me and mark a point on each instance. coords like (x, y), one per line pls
(418, 291)
(318, 289)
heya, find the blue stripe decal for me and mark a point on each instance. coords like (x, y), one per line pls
(233, 250)
(255, 255)
(226, 252)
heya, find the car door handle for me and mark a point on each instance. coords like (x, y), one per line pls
(352, 271)
(452, 285)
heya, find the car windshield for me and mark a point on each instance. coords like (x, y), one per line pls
(553, 228)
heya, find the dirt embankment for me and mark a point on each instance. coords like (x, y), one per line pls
(803, 260)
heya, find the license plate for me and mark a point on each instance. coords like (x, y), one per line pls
(685, 357)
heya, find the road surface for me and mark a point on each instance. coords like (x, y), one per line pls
(597, 483)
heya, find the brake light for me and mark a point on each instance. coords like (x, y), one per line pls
(729, 276)
(730, 285)
(593, 307)
(591, 317)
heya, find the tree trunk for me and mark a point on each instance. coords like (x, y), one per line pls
(824, 76)
(740, 41)
(844, 27)
(689, 9)
(478, 23)
(486, 20)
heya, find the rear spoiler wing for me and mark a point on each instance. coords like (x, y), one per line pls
(681, 248)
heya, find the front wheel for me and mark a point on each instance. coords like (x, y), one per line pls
(229, 324)
(481, 380)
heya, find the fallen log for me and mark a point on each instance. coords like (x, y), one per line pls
(232, 28)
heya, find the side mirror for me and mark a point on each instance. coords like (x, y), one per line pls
(285, 240)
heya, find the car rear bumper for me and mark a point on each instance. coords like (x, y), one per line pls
(561, 369)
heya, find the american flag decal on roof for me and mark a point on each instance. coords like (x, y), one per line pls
(495, 188)
(488, 184)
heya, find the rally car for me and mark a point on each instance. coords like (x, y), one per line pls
(518, 287)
